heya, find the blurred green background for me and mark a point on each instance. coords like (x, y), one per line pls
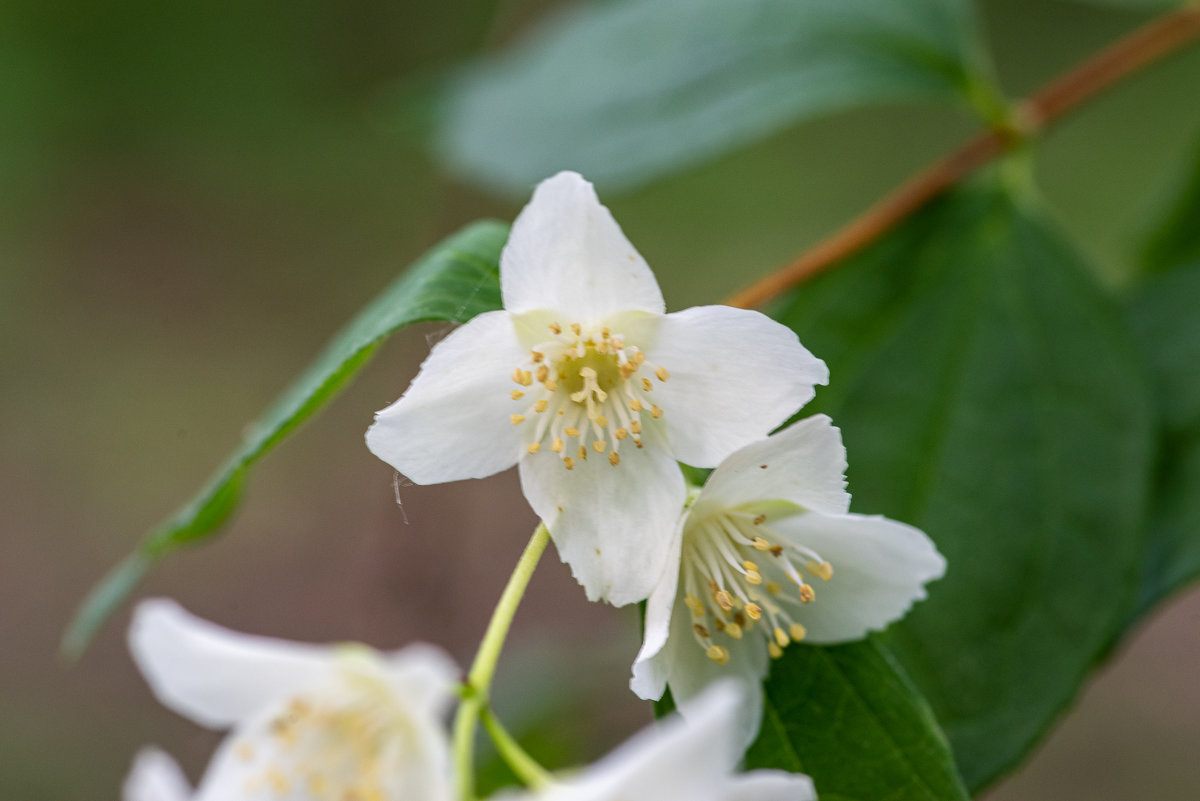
(194, 196)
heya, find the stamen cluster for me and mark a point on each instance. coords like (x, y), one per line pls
(585, 389)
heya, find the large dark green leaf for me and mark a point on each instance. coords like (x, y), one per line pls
(625, 91)
(456, 280)
(1166, 317)
(989, 393)
(848, 717)
(1177, 240)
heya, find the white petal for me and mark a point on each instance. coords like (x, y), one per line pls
(612, 524)
(771, 785)
(691, 673)
(805, 464)
(880, 568)
(566, 252)
(734, 376)
(680, 760)
(649, 678)
(155, 776)
(424, 675)
(212, 675)
(453, 421)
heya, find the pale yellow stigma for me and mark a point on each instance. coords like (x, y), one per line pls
(822, 570)
(717, 654)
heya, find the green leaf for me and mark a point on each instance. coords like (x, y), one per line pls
(989, 393)
(1177, 240)
(626, 91)
(849, 717)
(1166, 318)
(456, 280)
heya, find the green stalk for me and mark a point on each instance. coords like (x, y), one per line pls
(479, 680)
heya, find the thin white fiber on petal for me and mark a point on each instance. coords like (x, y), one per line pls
(770, 785)
(212, 675)
(734, 376)
(612, 524)
(453, 421)
(880, 568)
(155, 776)
(804, 464)
(566, 252)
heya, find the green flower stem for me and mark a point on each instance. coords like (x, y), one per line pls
(479, 680)
(526, 767)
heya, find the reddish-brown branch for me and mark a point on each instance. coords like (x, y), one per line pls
(1145, 45)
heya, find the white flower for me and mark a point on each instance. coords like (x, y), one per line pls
(597, 393)
(682, 760)
(767, 554)
(309, 721)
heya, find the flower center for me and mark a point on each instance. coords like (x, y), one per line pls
(331, 745)
(739, 581)
(585, 391)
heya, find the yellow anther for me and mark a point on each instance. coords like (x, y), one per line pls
(635, 426)
(733, 630)
(646, 385)
(753, 577)
(543, 373)
(516, 394)
(723, 599)
(571, 432)
(662, 374)
(568, 463)
(694, 605)
(576, 329)
(541, 405)
(754, 611)
(517, 373)
(517, 419)
(533, 447)
(620, 433)
(614, 458)
(761, 544)
(244, 751)
(807, 593)
(599, 445)
(557, 445)
(605, 333)
(536, 355)
(550, 384)
(781, 637)
(627, 370)
(774, 587)
(774, 650)
(637, 442)
(602, 346)
(582, 453)
(797, 631)
(655, 412)
(638, 358)
(758, 521)
(555, 328)
(753, 568)
(717, 654)
(635, 405)
(822, 570)
(703, 632)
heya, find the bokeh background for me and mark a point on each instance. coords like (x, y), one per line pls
(194, 196)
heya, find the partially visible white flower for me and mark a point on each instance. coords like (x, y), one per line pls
(309, 721)
(681, 760)
(586, 383)
(767, 554)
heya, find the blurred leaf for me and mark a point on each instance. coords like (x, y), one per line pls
(1166, 317)
(626, 91)
(989, 393)
(1177, 240)
(847, 716)
(456, 280)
